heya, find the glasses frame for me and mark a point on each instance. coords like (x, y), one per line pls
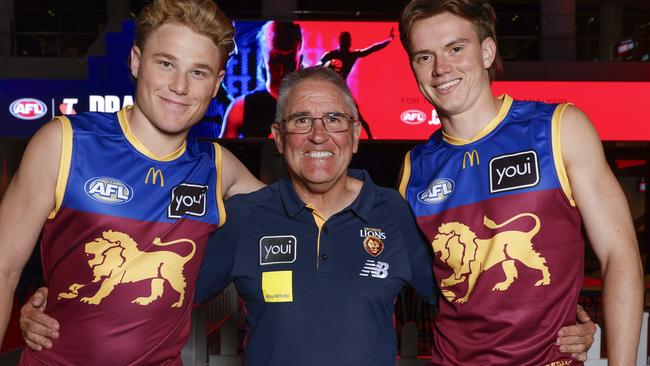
(350, 119)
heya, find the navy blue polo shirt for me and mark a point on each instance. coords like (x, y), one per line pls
(318, 295)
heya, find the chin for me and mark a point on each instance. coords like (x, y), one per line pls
(173, 129)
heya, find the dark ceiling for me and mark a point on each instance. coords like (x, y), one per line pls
(69, 27)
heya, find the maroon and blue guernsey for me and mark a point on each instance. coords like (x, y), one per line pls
(122, 248)
(506, 235)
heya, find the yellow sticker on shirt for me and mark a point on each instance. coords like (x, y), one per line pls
(277, 286)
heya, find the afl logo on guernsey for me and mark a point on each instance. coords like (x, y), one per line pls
(108, 190)
(437, 191)
(28, 108)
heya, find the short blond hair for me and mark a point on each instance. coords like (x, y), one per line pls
(201, 16)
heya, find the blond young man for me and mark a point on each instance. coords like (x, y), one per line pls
(125, 202)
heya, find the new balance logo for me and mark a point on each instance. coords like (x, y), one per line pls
(374, 269)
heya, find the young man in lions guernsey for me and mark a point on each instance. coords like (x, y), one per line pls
(125, 202)
(502, 193)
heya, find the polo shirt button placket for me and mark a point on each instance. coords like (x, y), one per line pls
(324, 263)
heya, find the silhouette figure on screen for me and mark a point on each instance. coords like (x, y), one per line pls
(251, 115)
(343, 59)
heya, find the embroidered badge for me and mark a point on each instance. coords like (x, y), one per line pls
(373, 240)
(373, 245)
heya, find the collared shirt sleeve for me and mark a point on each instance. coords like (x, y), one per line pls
(219, 257)
(420, 257)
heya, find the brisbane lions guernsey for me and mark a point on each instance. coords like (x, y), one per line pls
(122, 248)
(506, 237)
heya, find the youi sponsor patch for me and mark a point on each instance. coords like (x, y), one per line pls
(187, 199)
(514, 171)
(278, 249)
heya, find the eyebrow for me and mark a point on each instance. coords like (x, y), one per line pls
(165, 54)
(456, 41)
(449, 44)
(299, 114)
(174, 58)
(304, 114)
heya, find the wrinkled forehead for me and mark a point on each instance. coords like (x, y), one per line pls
(316, 97)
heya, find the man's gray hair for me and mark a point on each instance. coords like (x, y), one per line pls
(315, 73)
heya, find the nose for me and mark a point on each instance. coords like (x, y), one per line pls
(441, 66)
(318, 134)
(179, 84)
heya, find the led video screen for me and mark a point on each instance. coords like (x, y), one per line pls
(367, 54)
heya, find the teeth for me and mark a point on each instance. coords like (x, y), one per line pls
(319, 154)
(448, 84)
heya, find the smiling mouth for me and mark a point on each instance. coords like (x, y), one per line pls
(448, 85)
(173, 102)
(319, 154)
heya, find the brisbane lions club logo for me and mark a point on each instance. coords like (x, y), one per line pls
(469, 255)
(117, 260)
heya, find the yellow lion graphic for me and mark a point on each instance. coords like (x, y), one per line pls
(117, 260)
(469, 256)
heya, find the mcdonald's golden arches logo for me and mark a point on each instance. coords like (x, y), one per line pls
(154, 173)
(471, 157)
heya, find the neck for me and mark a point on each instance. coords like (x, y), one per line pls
(158, 142)
(470, 122)
(328, 199)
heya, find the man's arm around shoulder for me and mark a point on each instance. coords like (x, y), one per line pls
(26, 204)
(236, 178)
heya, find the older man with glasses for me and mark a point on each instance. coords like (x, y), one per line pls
(319, 256)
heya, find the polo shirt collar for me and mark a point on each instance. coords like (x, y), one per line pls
(361, 206)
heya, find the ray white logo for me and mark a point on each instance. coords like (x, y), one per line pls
(514, 171)
(108, 190)
(27, 108)
(437, 191)
(278, 249)
(187, 199)
(374, 269)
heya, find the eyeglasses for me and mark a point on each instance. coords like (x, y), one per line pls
(332, 122)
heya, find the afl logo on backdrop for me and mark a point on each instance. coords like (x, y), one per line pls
(413, 117)
(108, 190)
(28, 108)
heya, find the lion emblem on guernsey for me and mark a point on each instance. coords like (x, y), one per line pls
(469, 255)
(117, 260)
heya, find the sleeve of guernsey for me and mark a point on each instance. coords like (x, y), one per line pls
(420, 256)
(219, 257)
